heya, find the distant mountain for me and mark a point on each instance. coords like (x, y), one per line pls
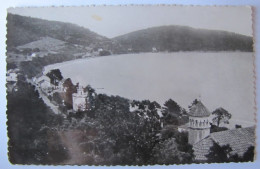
(22, 30)
(183, 38)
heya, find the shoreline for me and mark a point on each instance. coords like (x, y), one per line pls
(92, 57)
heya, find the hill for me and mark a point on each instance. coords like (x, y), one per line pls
(22, 30)
(183, 38)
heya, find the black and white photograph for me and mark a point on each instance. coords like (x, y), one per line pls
(130, 85)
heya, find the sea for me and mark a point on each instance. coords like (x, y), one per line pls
(218, 79)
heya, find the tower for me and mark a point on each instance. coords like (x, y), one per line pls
(199, 123)
(80, 99)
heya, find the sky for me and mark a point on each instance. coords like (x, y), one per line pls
(112, 21)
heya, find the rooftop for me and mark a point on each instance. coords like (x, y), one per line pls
(199, 110)
(238, 139)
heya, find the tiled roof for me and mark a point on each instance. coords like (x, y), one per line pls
(201, 149)
(238, 139)
(199, 110)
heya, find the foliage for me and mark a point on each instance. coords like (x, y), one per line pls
(193, 103)
(34, 67)
(182, 38)
(22, 30)
(104, 53)
(215, 128)
(221, 116)
(174, 150)
(220, 154)
(107, 134)
(10, 66)
(249, 154)
(57, 98)
(55, 76)
(29, 122)
(70, 89)
(173, 114)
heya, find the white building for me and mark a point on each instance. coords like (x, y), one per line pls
(43, 82)
(11, 77)
(61, 87)
(79, 100)
(199, 123)
(154, 49)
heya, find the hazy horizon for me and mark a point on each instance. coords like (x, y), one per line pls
(122, 20)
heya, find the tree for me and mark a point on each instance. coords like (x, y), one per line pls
(173, 113)
(221, 116)
(70, 89)
(55, 76)
(170, 152)
(30, 122)
(193, 103)
(214, 128)
(249, 154)
(218, 154)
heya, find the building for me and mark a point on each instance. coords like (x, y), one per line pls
(11, 76)
(61, 87)
(199, 123)
(79, 100)
(43, 82)
(239, 141)
(202, 140)
(154, 50)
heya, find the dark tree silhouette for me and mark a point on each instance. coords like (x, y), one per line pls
(249, 154)
(220, 154)
(221, 116)
(193, 103)
(70, 89)
(55, 76)
(173, 114)
(29, 126)
(214, 128)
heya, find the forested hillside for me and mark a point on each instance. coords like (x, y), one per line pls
(183, 38)
(22, 30)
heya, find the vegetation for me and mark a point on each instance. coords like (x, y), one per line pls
(108, 133)
(55, 76)
(30, 128)
(221, 116)
(220, 154)
(215, 128)
(34, 67)
(173, 114)
(183, 38)
(22, 30)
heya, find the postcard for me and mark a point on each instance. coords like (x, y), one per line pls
(130, 85)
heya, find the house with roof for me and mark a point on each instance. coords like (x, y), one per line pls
(202, 140)
(80, 100)
(42, 81)
(11, 76)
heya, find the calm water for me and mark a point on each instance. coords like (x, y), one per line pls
(219, 79)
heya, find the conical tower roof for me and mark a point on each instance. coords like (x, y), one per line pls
(199, 110)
